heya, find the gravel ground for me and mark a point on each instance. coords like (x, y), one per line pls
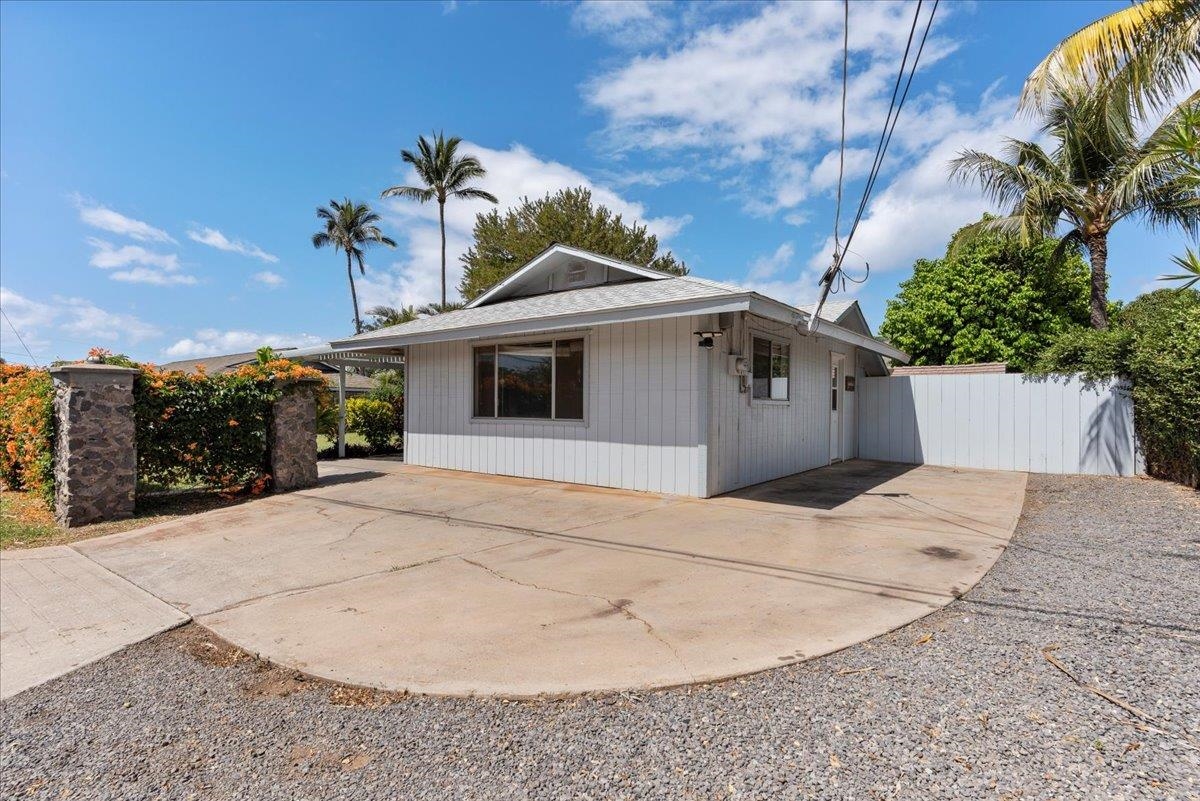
(962, 704)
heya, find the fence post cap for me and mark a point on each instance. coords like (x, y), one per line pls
(83, 371)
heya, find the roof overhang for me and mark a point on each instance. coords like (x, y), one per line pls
(373, 359)
(748, 301)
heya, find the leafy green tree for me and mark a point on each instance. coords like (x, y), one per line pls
(445, 174)
(990, 298)
(351, 228)
(1154, 343)
(505, 242)
(1099, 172)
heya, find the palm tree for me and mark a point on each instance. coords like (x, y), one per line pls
(387, 316)
(1142, 53)
(444, 174)
(433, 309)
(1099, 172)
(350, 227)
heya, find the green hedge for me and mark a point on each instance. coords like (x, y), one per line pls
(1155, 343)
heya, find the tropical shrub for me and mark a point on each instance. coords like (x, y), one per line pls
(27, 425)
(202, 430)
(373, 419)
(1155, 343)
(389, 387)
(989, 299)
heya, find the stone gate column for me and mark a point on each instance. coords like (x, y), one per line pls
(292, 436)
(95, 451)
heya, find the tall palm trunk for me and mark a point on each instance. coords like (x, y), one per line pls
(353, 294)
(442, 221)
(1096, 243)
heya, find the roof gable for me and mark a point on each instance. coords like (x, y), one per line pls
(561, 267)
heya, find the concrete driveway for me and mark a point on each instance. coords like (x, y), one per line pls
(433, 581)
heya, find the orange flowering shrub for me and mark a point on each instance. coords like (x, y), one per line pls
(27, 426)
(210, 430)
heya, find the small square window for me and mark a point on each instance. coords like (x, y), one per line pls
(771, 368)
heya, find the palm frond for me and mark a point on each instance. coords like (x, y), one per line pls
(419, 193)
(472, 193)
(1143, 52)
(1190, 263)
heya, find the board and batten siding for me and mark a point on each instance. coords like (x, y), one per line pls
(644, 422)
(1056, 424)
(755, 441)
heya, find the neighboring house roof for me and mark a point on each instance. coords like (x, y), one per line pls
(833, 310)
(641, 299)
(228, 362)
(952, 369)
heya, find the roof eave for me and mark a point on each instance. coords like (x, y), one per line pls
(781, 312)
(626, 314)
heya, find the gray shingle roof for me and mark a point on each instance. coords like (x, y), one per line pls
(832, 310)
(606, 297)
(228, 362)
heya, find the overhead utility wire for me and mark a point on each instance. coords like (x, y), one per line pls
(885, 137)
(18, 333)
(837, 217)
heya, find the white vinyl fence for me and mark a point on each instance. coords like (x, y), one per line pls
(1052, 424)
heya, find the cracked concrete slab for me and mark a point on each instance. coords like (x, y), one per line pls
(455, 583)
(59, 611)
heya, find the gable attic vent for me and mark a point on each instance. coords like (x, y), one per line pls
(576, 273)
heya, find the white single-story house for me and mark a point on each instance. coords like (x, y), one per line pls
(585, 369)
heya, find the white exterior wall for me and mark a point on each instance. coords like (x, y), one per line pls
(754, 440)
(1058, 424)
(645, 414)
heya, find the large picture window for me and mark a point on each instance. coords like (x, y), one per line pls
(770, 366)
(533, 380)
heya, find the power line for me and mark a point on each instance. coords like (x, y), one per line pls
(837, 216)
(18, 333)
(835, 272)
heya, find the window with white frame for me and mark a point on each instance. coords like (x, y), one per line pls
(540, 380)
(770, 367)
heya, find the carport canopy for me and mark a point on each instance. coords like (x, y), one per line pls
(374, 359)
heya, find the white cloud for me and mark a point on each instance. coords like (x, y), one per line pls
(145, 275)
(214, 238)
(41, 324)
(106, 256)
(758, 101)
(914, 216)
(513, 174)
(89, 322)
(29, 317)
(627, 23)
(140, 266)
(765, 267)
(211, 342)
(761, 97)
(269, 279)
(104, 218)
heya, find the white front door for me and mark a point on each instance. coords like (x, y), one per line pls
(837, 364)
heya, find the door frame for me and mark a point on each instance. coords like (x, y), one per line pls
(837, 357)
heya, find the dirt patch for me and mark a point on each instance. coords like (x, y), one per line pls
(206, 647)
(269, 680)
(346, 695)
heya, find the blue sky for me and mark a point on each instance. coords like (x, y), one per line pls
(161, 163)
